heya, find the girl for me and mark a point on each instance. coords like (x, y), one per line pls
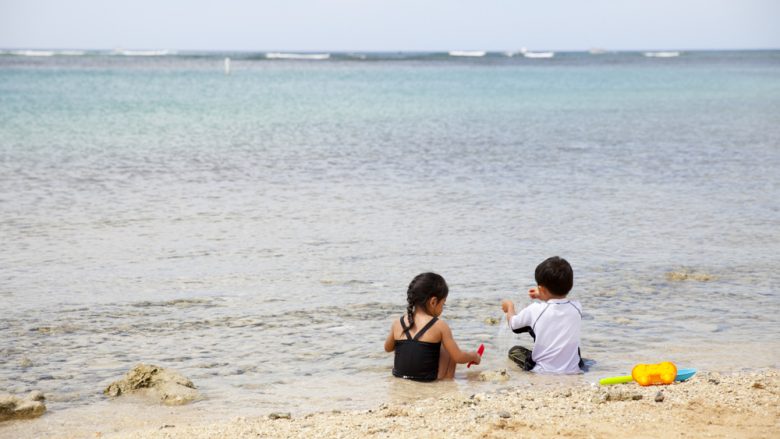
(423, 344)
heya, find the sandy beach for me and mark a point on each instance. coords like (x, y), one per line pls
(741, 405)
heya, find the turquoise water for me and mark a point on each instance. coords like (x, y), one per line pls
(257, 230)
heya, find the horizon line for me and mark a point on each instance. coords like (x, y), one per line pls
(599, 48)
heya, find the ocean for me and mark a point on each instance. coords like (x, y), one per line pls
(256, 231)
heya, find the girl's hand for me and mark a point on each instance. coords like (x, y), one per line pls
(476, 358)
(506, 304)
(533, 293)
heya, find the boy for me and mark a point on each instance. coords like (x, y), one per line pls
(554, 323)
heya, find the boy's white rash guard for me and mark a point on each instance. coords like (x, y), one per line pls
(556, 324)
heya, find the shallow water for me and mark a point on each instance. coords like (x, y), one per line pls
(257, 231)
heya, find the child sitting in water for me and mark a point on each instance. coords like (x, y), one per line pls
(423, 344)
(554, 323)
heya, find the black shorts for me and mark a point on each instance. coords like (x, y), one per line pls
(522, 356)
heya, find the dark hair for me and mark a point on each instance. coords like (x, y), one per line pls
(421, 289)
(556, 275)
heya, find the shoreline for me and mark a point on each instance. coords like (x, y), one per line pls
(711, 404)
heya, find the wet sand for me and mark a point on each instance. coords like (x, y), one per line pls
(742, 405)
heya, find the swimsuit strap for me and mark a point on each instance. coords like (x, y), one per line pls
(406, 329)
(425, 328)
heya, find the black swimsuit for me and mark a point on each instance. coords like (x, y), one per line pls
(414, 359)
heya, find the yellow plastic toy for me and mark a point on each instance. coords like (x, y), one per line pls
(649, 374)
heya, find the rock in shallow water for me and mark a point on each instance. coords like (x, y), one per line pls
(163, 385)
(13, 407)
(494, 375)
(492, 321)
(686, 274)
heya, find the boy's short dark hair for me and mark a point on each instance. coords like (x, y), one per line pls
(556, 275)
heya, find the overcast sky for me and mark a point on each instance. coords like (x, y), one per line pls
(376, 25)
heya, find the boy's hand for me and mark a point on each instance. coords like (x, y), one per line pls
(477, 358)
(506, 305)
(533, 293)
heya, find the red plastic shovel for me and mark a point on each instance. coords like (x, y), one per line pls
(480, 350)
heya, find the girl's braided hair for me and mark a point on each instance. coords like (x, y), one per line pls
(421, 289)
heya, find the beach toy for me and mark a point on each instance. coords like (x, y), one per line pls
(480, 350)
(616, 380)
(682, 375)
(649, 374)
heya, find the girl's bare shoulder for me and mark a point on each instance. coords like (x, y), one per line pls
(440, 326)
(441, 322)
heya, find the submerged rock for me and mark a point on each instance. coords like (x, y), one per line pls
(163, 385)
(683, 275)
(13, 407)
(494, 375)
(492, 321)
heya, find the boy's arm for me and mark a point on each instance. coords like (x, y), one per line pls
(514, 319)
(452, 348)
(509, 309)
(390, 341)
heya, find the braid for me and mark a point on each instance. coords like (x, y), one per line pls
(410, 301)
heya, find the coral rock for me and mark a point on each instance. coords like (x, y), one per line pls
(166, 386)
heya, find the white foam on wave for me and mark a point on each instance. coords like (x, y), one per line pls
(144, 52)
(467, 53)
(309, 56)
(32, 53)
(661, 54)
(71, 52)
(539, 55)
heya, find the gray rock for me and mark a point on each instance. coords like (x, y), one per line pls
(13, 407)
(280, 415)
(619, 395)
(504, 414)
(163, 385)
(659, 397)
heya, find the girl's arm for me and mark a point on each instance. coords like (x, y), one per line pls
(390, 342)
(452, 348)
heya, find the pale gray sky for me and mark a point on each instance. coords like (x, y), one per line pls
(376, 25)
